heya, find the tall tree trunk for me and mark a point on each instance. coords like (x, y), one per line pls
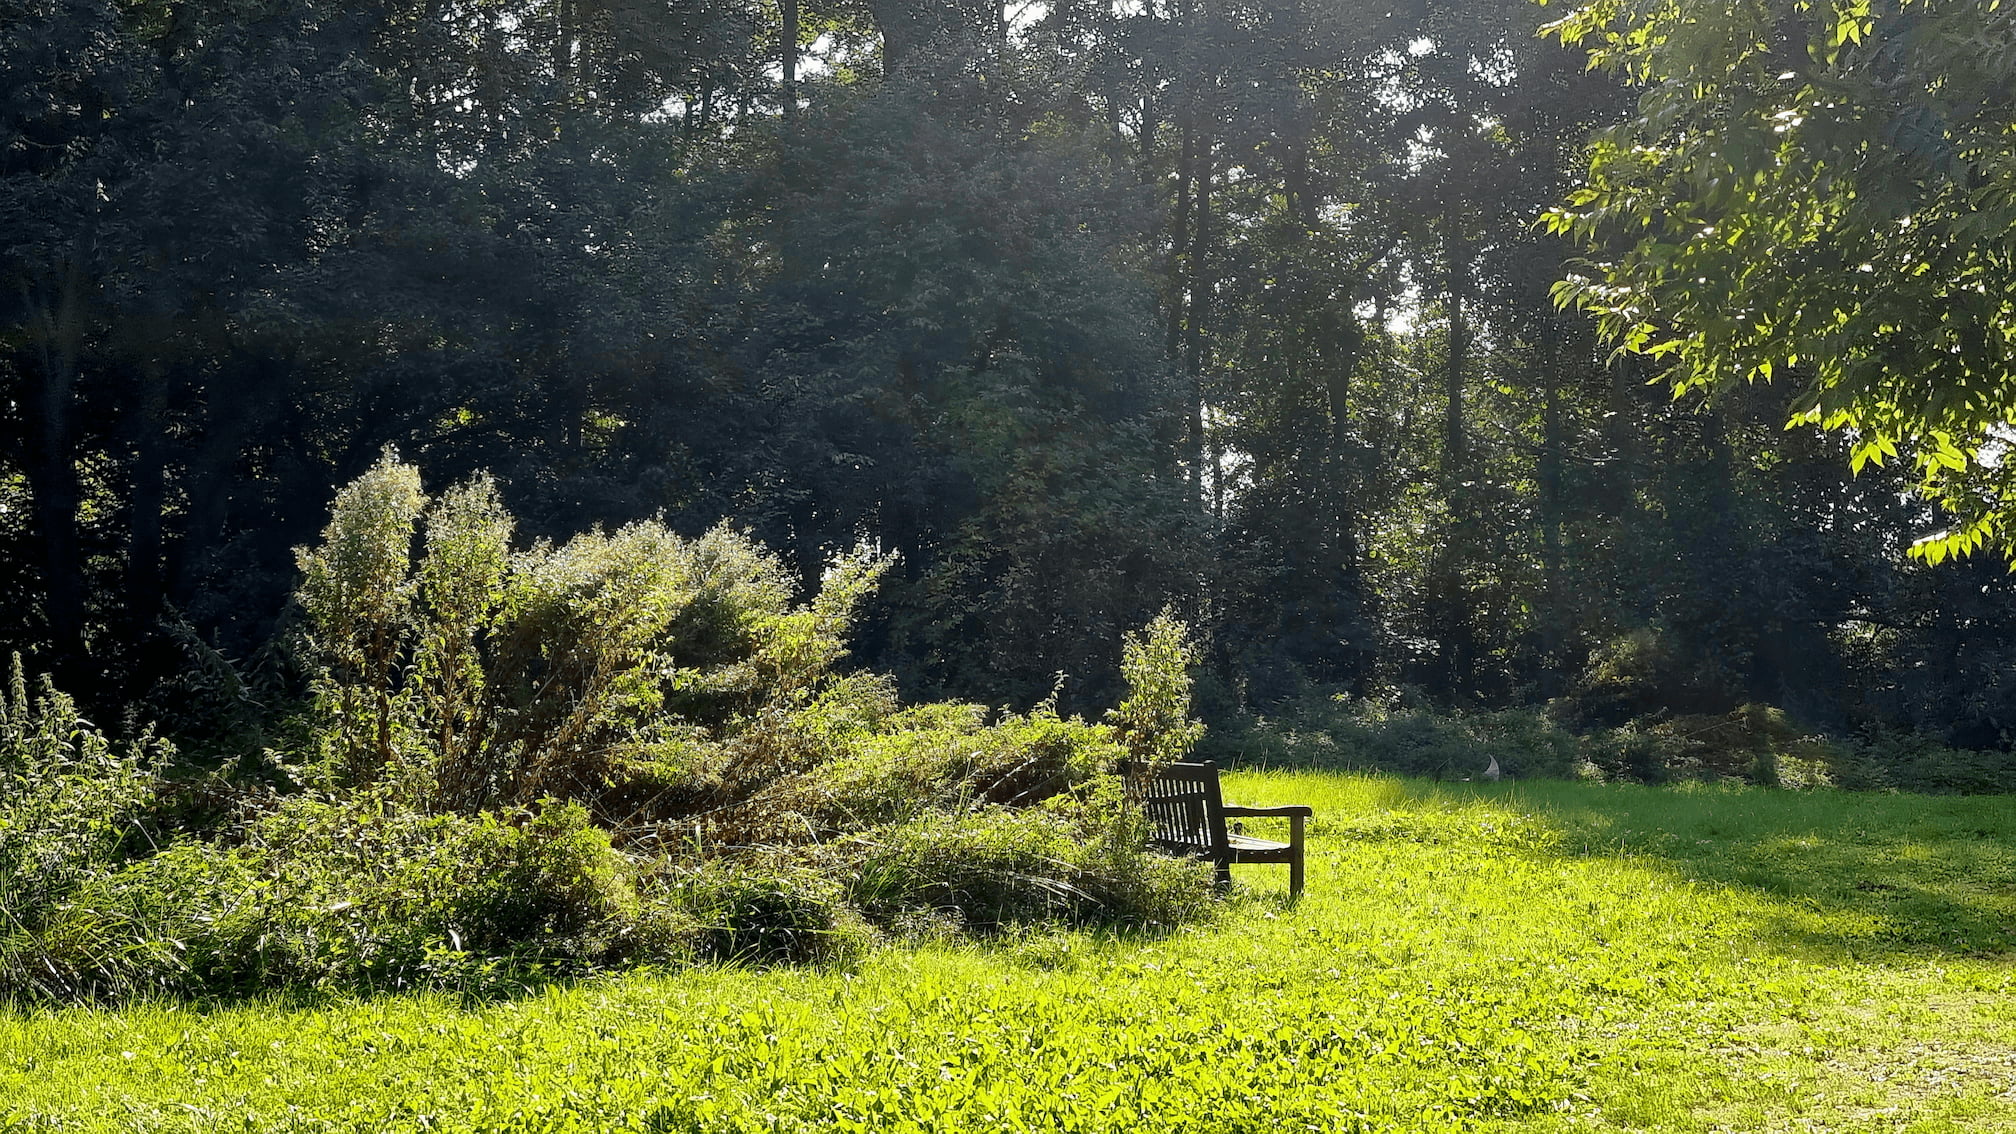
(148, 500)
(1340, 345)
(1151, 180)
(562, 47)
(1455, 455)
(1179, 225)
(788, 95)
(56, 332)
(1197, 349)
(1552, 631)
(230, 422)
(908, 26)
(1448, 590)
(1623, 437)
(1151, 73)
(897, 23)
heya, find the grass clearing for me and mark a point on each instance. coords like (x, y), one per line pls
(1532, 956)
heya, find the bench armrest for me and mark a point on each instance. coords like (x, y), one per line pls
(1292, 809)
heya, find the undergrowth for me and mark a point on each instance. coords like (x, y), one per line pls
(522, 763)
(1469, 958)
(1750, 743)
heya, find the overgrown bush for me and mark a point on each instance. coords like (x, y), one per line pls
(915, 763)
(766, 910)
(1642, 674)
(352, 895)
(1154, 720)
(1081, 858)
(470, 674)
(990, 866)
(522, 762)
(70, 803)
(1907, 762)
(1754, 743)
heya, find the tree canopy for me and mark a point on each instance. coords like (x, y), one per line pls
(1824, 192)
(1239, 308)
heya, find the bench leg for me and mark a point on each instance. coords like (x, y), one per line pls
(1295, 860)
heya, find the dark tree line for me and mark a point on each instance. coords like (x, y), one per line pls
(1083, 308)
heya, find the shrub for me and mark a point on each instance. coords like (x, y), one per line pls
(477, 675)
(70, 800)
(895, 776)
(1083, 856)
(355, 895)
(1755, 743)
(1406, 738)
(190, 919)
(1129, 883)
(1888, 760)
(992, 866)
(357, 588)
(1643, 673)
(765, 911)
(483, 718)
(364, 891)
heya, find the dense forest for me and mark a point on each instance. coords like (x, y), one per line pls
(1243, 308)
(1051, 565)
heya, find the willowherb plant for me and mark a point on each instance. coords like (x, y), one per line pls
(481, 676)
(357, 588)
(463, 593)
(1154, 719)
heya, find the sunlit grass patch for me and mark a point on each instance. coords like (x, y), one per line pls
(1470, 957)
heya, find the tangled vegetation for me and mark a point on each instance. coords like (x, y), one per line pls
(630, 748)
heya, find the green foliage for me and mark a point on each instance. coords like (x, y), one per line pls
(1153, 721)
(1895, 761)
(71, 793)
(899, 774)
(1174, 305)
(479, 674)
(462, 582)
(1818, 191)
(352, 896)
(1640, 674)
(1752, 743)
(486, 718)
(70, 804)
(988, 867)
(356, 589)
(1407, 737)
(768, 913)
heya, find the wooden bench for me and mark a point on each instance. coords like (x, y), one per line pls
(1187, 815)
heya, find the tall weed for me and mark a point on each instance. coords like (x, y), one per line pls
(474, 675)
(70, 804)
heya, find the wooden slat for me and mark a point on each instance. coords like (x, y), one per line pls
(1187, 814)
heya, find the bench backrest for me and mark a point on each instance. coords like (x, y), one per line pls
(1185, 810)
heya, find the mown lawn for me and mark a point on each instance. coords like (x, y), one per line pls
(1470, 957)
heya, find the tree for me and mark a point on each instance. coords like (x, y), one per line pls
(1824, 192)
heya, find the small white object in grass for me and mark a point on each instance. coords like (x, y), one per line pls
(1494, 773)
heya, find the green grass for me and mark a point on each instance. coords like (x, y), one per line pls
(1477, 957)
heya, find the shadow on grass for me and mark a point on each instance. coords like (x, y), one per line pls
(1854, 875)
